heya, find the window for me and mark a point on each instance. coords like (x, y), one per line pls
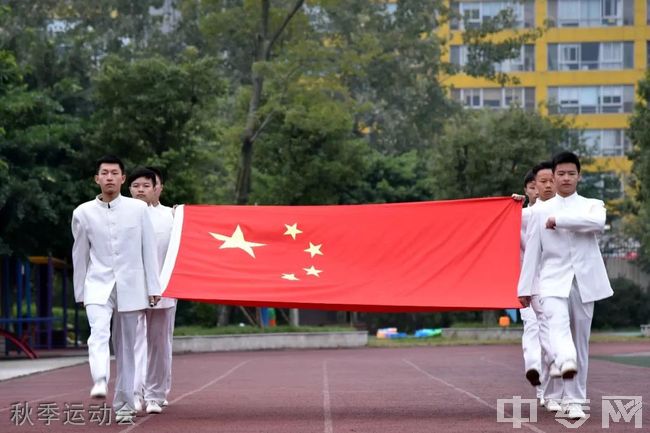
(605, 142)
(588, 100)
(591, 13)
(610, 9)
(569, 57)
(524, 62)
(569, 100)
(569, 13)
(492, 98)
(496, 98)
(612, 99)
(474, 13)
(611, 55)
(591, 56)
(471, 13)
(591, 99)
(472, 98)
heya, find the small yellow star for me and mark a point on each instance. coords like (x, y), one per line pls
(290, 277)
(314, 249)
(313, 271)
(236, 240)
(292, 230)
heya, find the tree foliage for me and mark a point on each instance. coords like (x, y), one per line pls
(640, 135)
(154, 112)
(36, 142)
(250, 101)
(487, 153)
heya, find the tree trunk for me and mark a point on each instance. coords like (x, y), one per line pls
(263, 47)
(294, 317)
(223, 315)
(490, 318)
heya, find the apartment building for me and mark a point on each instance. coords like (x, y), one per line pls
(586, 65)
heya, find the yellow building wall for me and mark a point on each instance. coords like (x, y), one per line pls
(542, 78)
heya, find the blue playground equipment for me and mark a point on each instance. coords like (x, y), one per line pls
(27, 320)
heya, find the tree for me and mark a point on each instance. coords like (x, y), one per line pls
(154, 112)
(36, 144)
(639, 133)
(388, 63)
(487, 153)
(261, 36)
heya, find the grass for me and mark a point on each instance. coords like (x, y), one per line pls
(440, 341)
(230, 330)
(639, 361)
(378, 342)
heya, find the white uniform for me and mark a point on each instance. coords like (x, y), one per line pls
(115, 268)
(572, 276)
(530, 340)
(155, 332)
(535, 340)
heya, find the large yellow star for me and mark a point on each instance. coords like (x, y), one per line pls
(313, 271)
(292, 230)
(236, 240)
(290, 277)
(314, 249)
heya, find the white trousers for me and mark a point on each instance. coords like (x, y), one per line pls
(124, 332)
(140, 357)
(170, 335)
(569, 321)
(99, 352)
(530, 340)
(552, 387)
(160, 323)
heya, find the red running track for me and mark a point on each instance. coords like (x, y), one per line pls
(434, 389)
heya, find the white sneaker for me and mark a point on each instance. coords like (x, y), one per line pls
(553, 406)
(574, 411)
(165, 403)
(153, 407)
(569, 369)
(137, 403)
(553, 371)
(542, 402)
(99, 389)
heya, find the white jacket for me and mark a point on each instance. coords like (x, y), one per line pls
(162, 219)
(114, 246)
(571, 250)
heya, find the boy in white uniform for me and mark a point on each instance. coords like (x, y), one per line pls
(562, 249)
(116, 275)
(156, 329)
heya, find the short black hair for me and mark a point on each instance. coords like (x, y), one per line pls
(530, 177)
(157, 172)
(142, 172)
(109, 159)
(566, 158)
(544, 165)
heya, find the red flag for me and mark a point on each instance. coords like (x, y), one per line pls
(426, 256)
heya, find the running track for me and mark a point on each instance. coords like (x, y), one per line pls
(435, 389)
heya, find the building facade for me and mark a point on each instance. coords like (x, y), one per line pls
(586, 65)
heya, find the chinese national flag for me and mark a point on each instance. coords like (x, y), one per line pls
(426, 256)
